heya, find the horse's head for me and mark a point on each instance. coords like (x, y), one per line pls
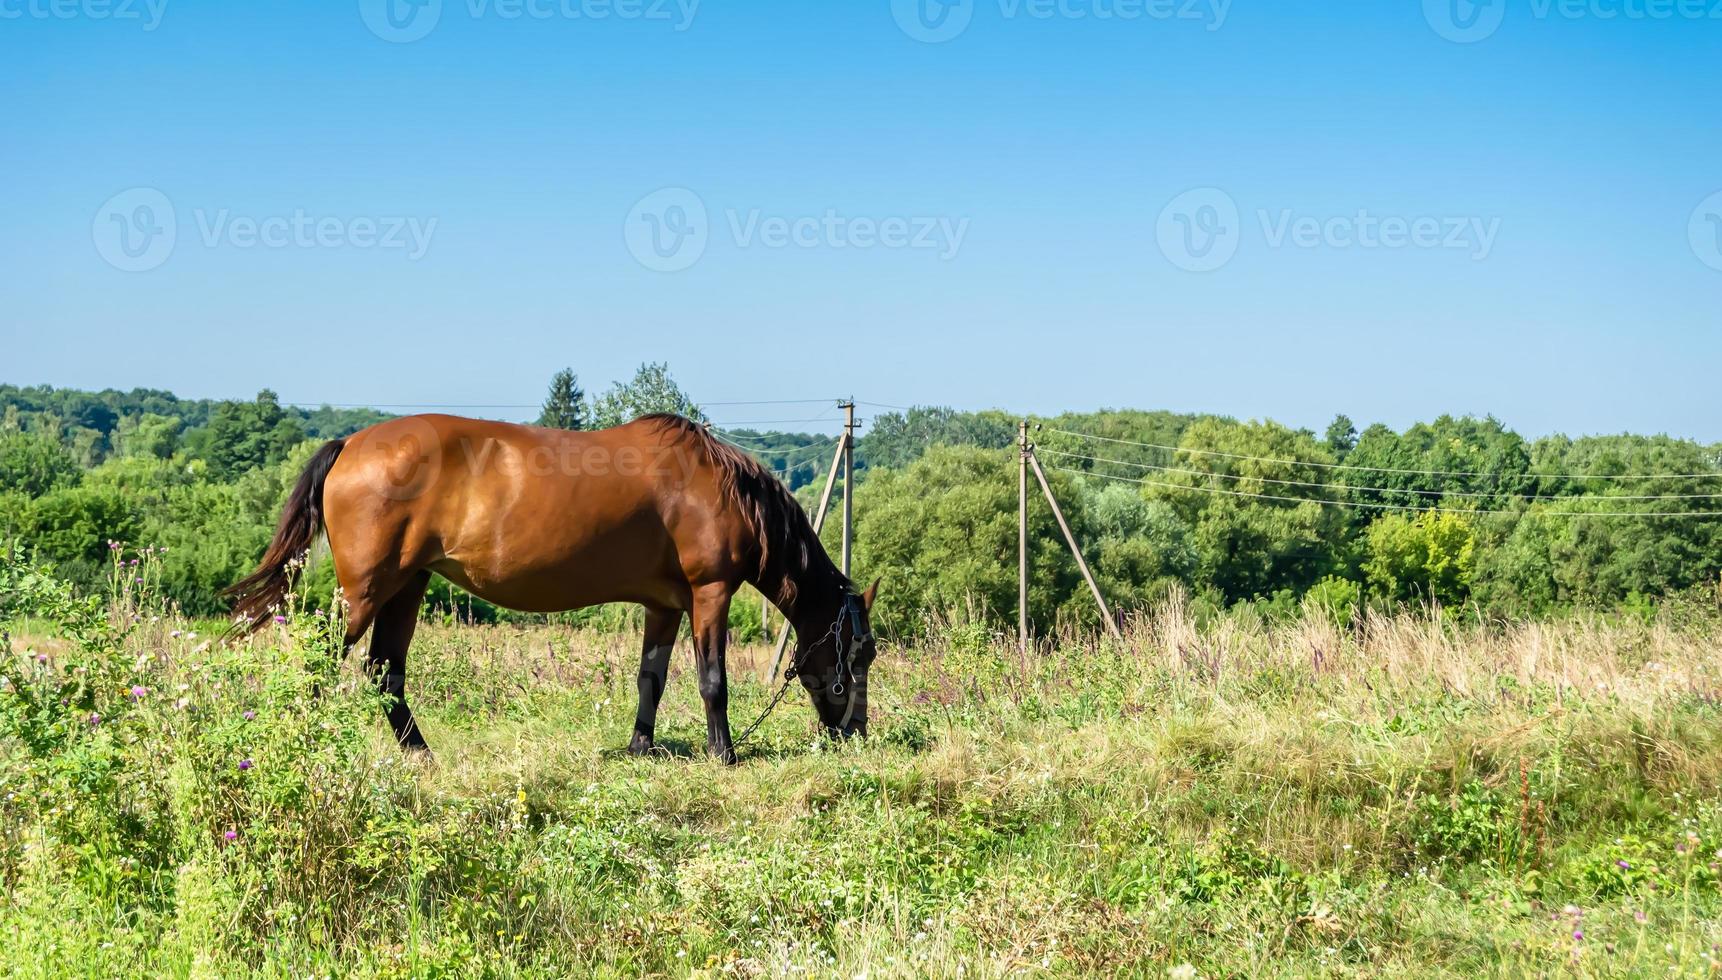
(833, 665)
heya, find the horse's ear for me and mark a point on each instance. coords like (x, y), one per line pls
(867, 597)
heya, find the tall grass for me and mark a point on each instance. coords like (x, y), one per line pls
(1400, 796)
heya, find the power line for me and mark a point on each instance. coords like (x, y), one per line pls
(314, 405)
(813, 450)
(725, 404)
(1426, 493)
(1375, 506)
(743, 425)
(1389, 469)
(781, 451)
(779, 401)
(732, 437)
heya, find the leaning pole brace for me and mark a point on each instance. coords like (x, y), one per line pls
(818, 522)
(1105, 613)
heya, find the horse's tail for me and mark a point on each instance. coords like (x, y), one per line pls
(256, 596)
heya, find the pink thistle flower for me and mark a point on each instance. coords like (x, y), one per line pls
(138, 690)
(249, 715)
(245, 764)
(231, 835)
(280, 619)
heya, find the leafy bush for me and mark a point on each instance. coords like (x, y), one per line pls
(33, 465)
(1427, 558)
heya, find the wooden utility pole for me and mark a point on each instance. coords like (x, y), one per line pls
(1087, 576)
(1022, 538)
(818, 523)
(848, 480)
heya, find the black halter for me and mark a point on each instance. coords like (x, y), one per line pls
(852, 609)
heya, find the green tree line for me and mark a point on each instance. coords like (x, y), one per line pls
(1459, 511)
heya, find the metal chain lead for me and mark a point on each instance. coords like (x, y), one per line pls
(794, 668)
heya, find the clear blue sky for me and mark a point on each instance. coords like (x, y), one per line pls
(1587, 143)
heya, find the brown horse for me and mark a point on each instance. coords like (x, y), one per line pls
(657, 512)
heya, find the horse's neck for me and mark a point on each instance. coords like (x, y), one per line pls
(817, 596)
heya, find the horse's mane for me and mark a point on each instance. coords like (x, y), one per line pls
(788, 546)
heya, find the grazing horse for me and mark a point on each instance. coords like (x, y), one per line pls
(657, 511)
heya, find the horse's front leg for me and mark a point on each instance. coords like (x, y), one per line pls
(661, 626)
(711, 634)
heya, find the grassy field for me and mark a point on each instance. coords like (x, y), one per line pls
(1403, 797)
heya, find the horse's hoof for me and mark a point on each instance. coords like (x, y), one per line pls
(640, 746)
(725, 755)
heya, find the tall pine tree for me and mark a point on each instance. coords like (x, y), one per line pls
(565, 405)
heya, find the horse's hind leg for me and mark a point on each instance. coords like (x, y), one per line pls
(387, 659)
(660, 641)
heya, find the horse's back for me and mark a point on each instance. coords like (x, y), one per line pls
(528, 517)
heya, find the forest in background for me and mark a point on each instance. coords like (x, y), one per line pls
(1459, 511)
